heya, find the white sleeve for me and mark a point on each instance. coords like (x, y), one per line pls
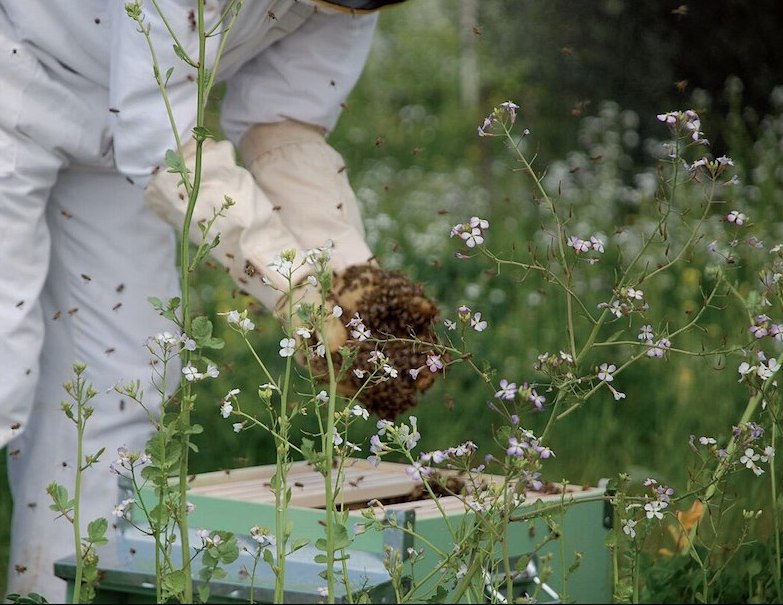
(141, 128)
(305, 76)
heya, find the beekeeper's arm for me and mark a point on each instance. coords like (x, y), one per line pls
(280, 105)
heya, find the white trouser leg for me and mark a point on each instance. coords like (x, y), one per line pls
(109, 253)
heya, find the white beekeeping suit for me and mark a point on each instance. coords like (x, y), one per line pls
(82, 130)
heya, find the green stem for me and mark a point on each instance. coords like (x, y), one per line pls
(281, 471)
(726, 462)
(561, 242)
(187, 402)
(775, 514)
(77, 491)
(328, 486)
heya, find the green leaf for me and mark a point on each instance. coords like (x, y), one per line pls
(203, 593)
(300, 543)
(201, 133)
(214, 343)
(169, 71)
(200, 328)
(175, 163)
(180, 52)
(209, 559)
(97, 455)
(96, 530)
(195, 429)
(174, 582)
(156, 303)
(269, 558)
(440, 595)
(320, 559)
(341, 538)
(158, 515)
(89, 574)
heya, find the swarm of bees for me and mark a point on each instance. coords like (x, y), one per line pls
(400, 320)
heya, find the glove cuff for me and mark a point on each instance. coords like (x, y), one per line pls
(263, 138)
(306, 180)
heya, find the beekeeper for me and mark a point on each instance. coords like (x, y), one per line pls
(83, 135)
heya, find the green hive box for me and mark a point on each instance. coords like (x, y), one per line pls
(239, 499)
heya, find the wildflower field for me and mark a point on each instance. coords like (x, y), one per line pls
(610, 308)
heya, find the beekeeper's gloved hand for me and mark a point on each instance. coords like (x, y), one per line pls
(306, 180)
(251, 232)
(298, 197)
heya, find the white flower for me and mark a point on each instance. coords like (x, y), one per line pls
(191, 374)
(477, 323)
(654, 509)
(645, 333)
(226, 409)
(282, 266)
(634, 294)
(765, 372)
(246, 325)
(749, 457)
(212, 371)
(617, 394)
(390, 370)
(358, 410)
(303, 332)
(122, 507)
(287, 347)
(450, 325)
(597, 243)
(337, 311)
(738, 218)
(337, 439)
(360, 332)
(579, 244)
(605, 372)
(322, 396)
(745, 369)
(479, 223)
(237, 426)
(434, 363)
(628, 528)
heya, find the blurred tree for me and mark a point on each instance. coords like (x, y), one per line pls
(647, 56)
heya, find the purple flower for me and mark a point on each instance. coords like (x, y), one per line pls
(508, 390)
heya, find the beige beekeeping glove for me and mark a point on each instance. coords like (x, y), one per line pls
(251, 231)
(306, 180)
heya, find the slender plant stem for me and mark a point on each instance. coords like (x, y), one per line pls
(79, 391)
(328, 485)
(775, 515)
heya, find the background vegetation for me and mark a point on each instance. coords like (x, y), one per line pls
(590, 77)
